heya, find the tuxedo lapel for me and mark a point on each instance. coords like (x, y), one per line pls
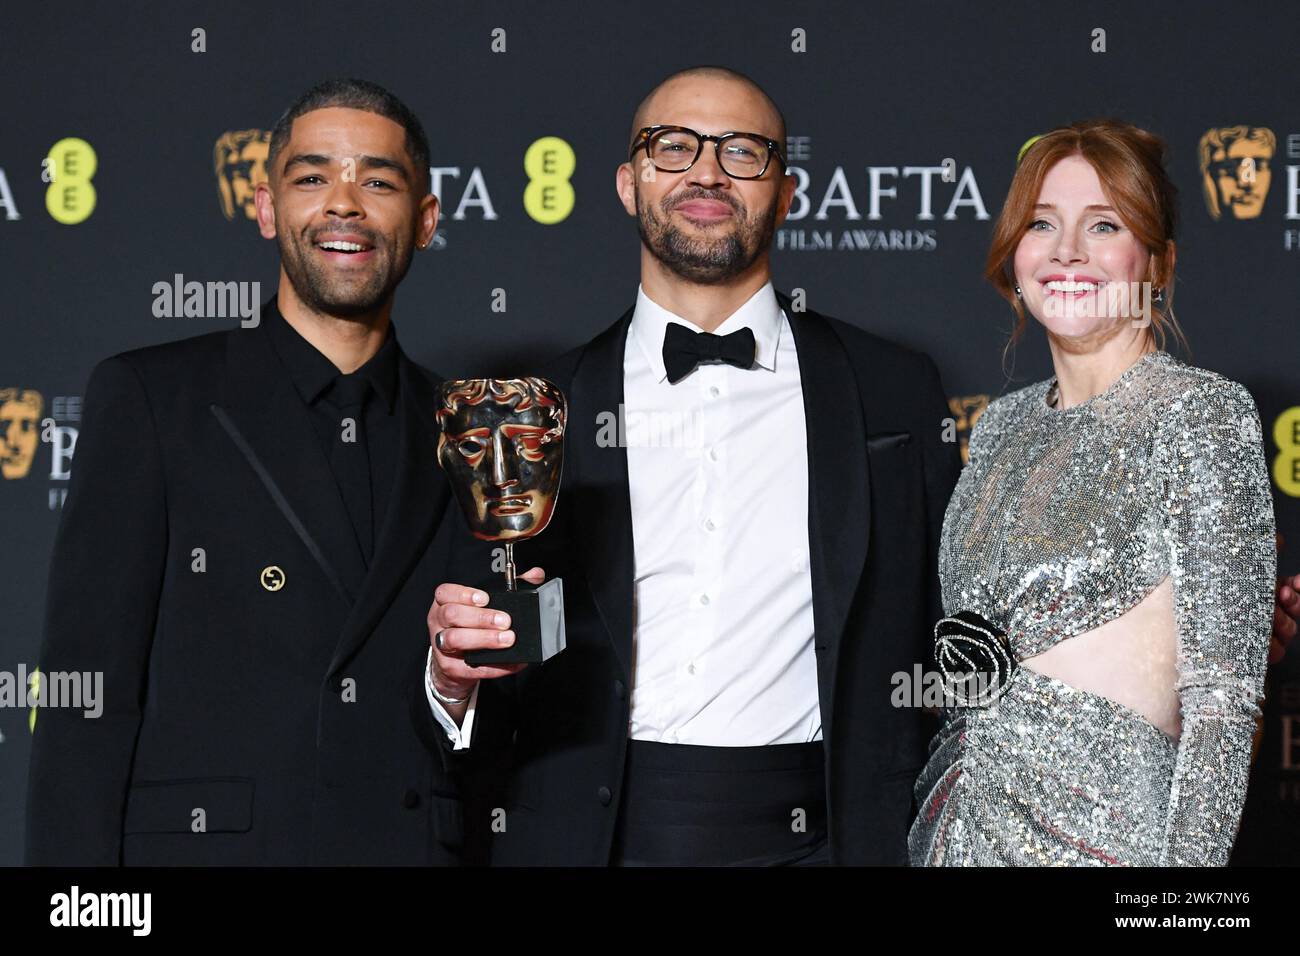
(597, 490)
(268, 423)
(418, 498)
(839, 495)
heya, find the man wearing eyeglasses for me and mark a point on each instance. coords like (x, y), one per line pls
(741, 582)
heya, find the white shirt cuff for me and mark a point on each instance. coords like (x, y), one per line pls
(459, 736)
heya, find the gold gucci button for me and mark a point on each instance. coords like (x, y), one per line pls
(272, 578)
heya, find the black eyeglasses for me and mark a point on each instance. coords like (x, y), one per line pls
(675, 149)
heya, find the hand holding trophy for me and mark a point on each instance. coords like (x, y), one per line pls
(501, 444)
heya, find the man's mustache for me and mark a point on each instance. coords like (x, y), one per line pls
(670, 203)
(363, 235)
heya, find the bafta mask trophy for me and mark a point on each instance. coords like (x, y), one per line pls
(501, 444)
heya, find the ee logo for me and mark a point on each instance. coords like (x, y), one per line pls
(68, 168)
(1286, 466)
(549, 163)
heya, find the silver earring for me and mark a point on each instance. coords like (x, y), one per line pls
(1017, 292)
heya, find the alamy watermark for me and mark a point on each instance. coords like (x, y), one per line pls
(75, 690)
(1074, 297)
(652, 429)
(75, 908)
(179, 299)
(938, 689)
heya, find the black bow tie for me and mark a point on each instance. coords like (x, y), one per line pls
(684, 349)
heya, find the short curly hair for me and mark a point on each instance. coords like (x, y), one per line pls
(352, 93)
(530, 390)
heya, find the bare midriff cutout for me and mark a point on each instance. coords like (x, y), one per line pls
(1131, 660)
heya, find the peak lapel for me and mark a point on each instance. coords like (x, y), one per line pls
(268, 423)
(839, 510)
(598, 493)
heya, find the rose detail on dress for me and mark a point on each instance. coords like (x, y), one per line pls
(974, 658)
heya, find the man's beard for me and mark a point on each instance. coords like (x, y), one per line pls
(321, 289)
(704, 260)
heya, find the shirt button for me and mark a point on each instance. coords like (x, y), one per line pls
(604, 796)
(619, 690)
(410, 799)
(713, 454)
(714, 391)
(704, 600)
(709, 525)
(690, 668)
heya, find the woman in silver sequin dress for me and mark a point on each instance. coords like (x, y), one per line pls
(1111, 540)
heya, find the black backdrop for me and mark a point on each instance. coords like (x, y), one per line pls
(874, 89)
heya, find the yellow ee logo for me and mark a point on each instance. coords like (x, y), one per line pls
(1286, 466)
(70, 165)
(549, 163)
(33, 694)
(1025, 148)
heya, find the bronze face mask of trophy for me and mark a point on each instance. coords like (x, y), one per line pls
(501, 445)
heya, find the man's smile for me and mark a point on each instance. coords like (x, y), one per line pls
(344, 248)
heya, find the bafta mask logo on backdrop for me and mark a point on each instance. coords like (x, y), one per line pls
(501, 446)
(239, 160)
(966, 410)
(1236, 169)
(20, 417)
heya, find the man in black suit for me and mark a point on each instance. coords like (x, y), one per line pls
(244, 551)
(736, 601)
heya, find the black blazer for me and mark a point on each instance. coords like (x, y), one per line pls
(283, 715)
(551, 741)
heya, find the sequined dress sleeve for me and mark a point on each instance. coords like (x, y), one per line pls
(1219, 529)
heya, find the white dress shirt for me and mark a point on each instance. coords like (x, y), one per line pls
(718, 477)
(718, 481)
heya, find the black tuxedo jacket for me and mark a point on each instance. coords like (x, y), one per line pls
(276, 723)
(551, 740)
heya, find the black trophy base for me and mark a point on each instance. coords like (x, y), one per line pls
(536, 617)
